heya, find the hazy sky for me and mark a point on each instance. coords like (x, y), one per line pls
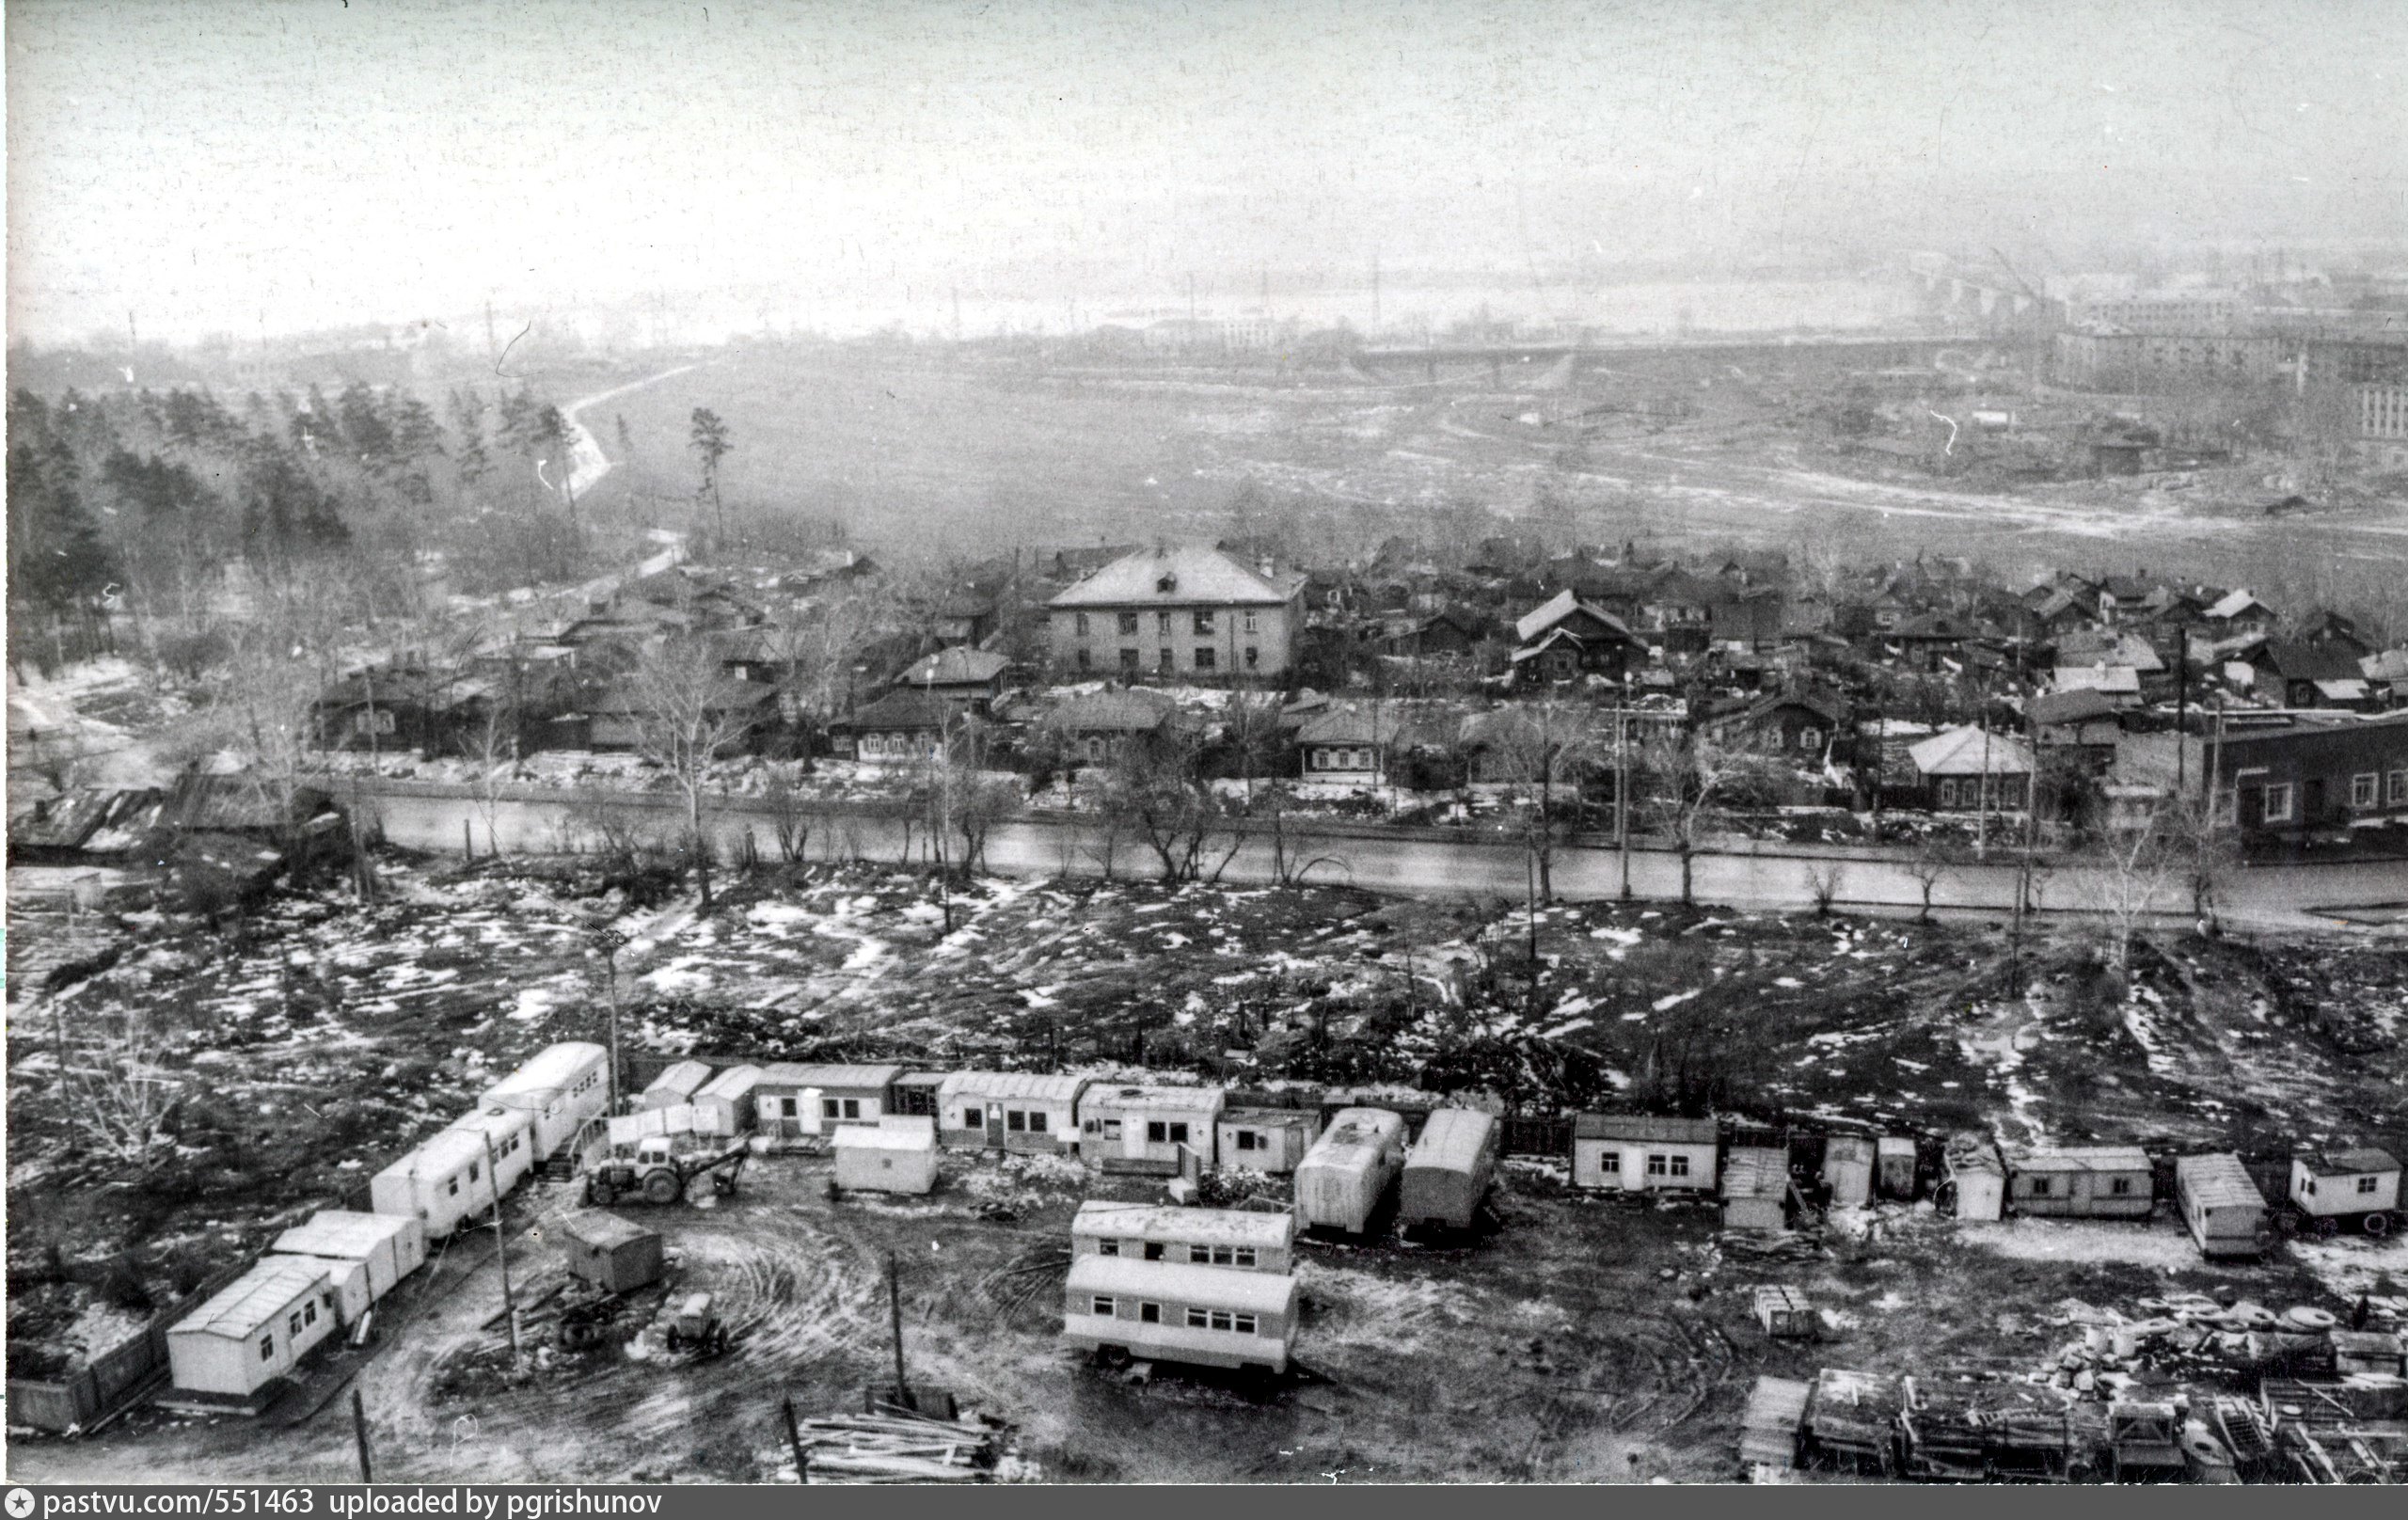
(212, 164)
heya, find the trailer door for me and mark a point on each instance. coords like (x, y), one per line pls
(995, 1125)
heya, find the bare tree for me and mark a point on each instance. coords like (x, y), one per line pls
(2131, 868)
(1693, 775)
(1823, 884)
(1550, 742)
(685, 721)
(1927, 866)
(118, 1094)
(1159, 792)
(789, 820)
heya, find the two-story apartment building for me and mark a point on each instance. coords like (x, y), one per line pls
(2312, 774)
(1178, 612)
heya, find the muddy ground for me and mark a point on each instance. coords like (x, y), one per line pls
(1582, 1339)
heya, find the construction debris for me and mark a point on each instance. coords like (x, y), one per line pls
(894, 1445)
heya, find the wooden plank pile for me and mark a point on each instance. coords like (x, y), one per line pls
(894, 1445)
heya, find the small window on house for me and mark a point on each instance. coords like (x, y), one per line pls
(1253, 657)
(1203, 619)
(1036, 1121)
(1244, 1324)
(267, 1347)
(1206, 657)
(2365, 1184)
(293, 1325)
(2395, 789)
(1083, 624)
(2040, 1187)
(1162, 623)
(1101, 1305)
(451, 1187)
(1248, 1140)
(1178, 1135)
(1948, 794)
(1157, 1133)
(2278, 802)
(1609, 1160)
(1085, 662)
(1680, 1165)
(1015, 1120)
(2120, 1187)
(1129, 623)
(309, 1312)
(2364, 789)
(1810, 739)
(1250, 623)
(1170, 662)
(1127, 659)
(2311, 1187)
(1150, 1313)
(1659, 1165)
(1153, 1250)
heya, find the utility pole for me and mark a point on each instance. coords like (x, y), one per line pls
(895, 1314)
(2181, 706)
(1622, 788)
(359, 1434)
(793, 1440)
(502, 1247)
(610, 942)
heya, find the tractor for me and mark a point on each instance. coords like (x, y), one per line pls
(695, 1325)
(657, 1173)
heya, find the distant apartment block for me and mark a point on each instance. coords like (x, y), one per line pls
(1168, 612)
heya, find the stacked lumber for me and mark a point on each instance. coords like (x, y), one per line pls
(894, 1445)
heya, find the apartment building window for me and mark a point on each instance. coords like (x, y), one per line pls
(1082, 621)
(1204, 657)
(1253, 657)
(1084, 660)
(1128, 658)
(1162, 623)
(1170, 662)
(2395, 789)
(1203, 619)
(1129, 623)
(1250, 625)
(2278, 802)
(2364, 788)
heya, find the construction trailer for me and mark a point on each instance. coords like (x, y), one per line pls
(511, 1132)
(393, 1245)
(1346, 1175)
(624, 1132)
(796, 1097)
(1449, 1170)
(346, 1282)
(254, 1330)
(1893, 1167)
(1269, 1140)
(444, 1181)
(1974, 1177)
(1755, 1189)
(2221, 1206)
(1173, 1312)
(724, 1105)
(559, 1088)
(1245, 1240)
(2337, 1189)
(916, 1093)
(2079, 1181)
(608, 1252)
(1644, 1153)
(676, 1085)
(1847, 1170)
(1142, 1129)
(898, 1154)
(1022, 1112)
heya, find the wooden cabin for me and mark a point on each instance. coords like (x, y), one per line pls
(1142, 1129)
(1644, 1153)
(2221, 1206)
(1268, 1140)
(1174, 1312)
(1449, 1170)
(2079, 1181)
(1346, 1174)
(1755, 1189)
(1012, 1111)
(1244, 1239)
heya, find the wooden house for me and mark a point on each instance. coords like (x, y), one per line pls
(1644, 1153)
(1174, 1312)
(1242, 1239)
(1755, 1189)
(1142, 1129)
(967, 678)
(1022, 1112)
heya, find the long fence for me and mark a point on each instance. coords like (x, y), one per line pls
(106, 1383)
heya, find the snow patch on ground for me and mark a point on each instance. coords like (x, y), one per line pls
(2351, 1267)
(2160, 1245)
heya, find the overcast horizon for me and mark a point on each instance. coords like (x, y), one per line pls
(241, 167)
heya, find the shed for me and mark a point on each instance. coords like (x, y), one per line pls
(1644, 1153)
(794, 1099)
(1449, 1170)
(393, 1245)
(1847, 1170)
(1271, 1140)
(898, 1155)
(1346, 1174)
(1141, 1129)
(1785, 1313)
(2221, 1206)
(613, 1254)
(677, 1085)
(2079, 1181)
(1245, 1238)
(1755, 1189)
(1976, 1174)
(254, 1329)
(1893, 1166)
(346, 1280)
(724, 1105)
(1016, 1110)
(1169, 1311)
(560, 1087)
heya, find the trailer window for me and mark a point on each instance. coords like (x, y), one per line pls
(1036, 1121)
(2363, 789)
(1609, 1160)
(2039, 1187)
(309, 1312)
(1244, 1324)
(267, 1347)
(1153, 1250)
(472, 1171)
(293, 1325)
(1198, 1320)
(972, 1119)
(1248, 1140)
(2121, 1186)
(828, 1110)
(2278, 802)
(1659, 1165)
(2365, 1184)
(1016, 1121)
(1156, 1132)
(1149, 1313)
(1102, 1305)
(1107, 1247)
(1242, 1257)
(1220, 1319)
(1680, 1165)
(451, 1187)
(2395, 787)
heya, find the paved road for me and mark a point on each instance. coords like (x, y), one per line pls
(2282, 897)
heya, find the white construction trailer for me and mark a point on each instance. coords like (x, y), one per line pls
(2337, 1190)
(559, 1088)
(1449, 1170)
(253, 1330)
(444, 1181)
(2221, 1206)
(1168, 1311)
(346, 1278)
(724, 1105)
(1247, 1239)
(1268, 1140)
(898, 1154)
(676, 1085)
(1142, 1129)
(1346, 1175)
(393, 1245)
